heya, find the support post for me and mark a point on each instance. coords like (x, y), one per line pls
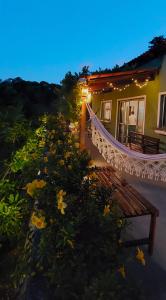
(83, 124)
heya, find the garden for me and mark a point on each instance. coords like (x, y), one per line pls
(59, 229)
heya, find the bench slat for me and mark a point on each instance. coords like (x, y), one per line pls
(125, 203)
(134, 202)
(149, 206)
(126, 208)
(130, 201)
(129, 197)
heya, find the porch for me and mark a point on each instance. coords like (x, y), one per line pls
(154, 274)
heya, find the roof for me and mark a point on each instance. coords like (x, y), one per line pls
(140, 70)
(150, 58)
(108, 80)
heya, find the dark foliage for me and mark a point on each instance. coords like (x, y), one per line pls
(107, 70)
(33, 98)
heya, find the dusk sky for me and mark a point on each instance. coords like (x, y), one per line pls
(43, 39)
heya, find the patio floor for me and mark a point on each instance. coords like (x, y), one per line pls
(153, 275)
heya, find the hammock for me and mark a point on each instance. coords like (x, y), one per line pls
(151, 166)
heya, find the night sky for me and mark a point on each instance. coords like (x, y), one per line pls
(42, 40)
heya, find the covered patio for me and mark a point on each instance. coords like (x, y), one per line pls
(152, 276)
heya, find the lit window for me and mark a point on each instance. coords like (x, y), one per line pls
(105, 113)
(162, 112)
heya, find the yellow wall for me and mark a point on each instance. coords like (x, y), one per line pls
(151, 91)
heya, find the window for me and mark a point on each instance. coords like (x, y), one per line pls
(105, 112)
(162, 112)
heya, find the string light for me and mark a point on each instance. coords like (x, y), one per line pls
(120, 89)
(135, 81)
(141, 85)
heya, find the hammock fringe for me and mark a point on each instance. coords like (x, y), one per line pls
(124, 159)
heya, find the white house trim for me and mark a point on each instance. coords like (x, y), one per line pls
(126, 99)
(159, 130)
(102, 101)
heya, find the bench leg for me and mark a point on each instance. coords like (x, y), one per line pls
(152, 234)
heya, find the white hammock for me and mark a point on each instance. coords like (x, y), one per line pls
(124, 159)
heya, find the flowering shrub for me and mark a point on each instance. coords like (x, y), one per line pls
(74, 219)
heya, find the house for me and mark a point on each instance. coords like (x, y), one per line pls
(134, 97)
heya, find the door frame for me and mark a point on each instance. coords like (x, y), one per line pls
(127, 99)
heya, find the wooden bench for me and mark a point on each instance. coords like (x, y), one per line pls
(143, 143)
(131, 203)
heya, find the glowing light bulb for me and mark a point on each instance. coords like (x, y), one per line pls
(84, 91)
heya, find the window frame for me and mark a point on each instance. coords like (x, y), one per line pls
(101, 114)
(159, 129)
(140, 97)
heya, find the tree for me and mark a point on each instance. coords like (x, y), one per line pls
(85, 71)
(158, 45)
(35, 98)
(70, 94)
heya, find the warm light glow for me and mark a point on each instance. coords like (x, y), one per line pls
(84, 91)
(88, 99)
(86, 94)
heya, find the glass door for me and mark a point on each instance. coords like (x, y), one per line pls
(131, 115)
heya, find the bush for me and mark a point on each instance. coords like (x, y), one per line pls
(74, 225)
(78, 221)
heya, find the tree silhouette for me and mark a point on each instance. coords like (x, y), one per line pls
(158, 41)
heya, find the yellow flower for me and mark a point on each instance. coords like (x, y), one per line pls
(61, 162)
(30, 187)
(45, 159)
(61, 194)
(61, 206)
(35, 184)
(38, 222)
(71, 244)
(33, 218)
(140, 256)
(121, 270)
(106, 210)
(39, 183)
(59, 142)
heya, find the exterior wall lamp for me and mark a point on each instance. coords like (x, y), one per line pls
(86, 98)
